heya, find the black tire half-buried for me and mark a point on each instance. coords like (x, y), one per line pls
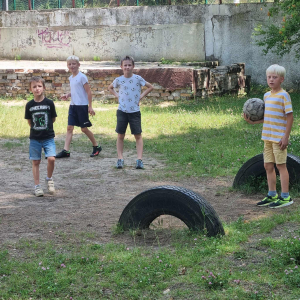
(186, 205)
(254, 167)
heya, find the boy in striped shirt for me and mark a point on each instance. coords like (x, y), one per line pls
(277, 125)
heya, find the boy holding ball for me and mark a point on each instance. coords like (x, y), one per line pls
(277, 125)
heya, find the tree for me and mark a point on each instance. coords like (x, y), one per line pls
(283, 37)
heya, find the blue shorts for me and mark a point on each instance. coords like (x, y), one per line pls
(79, 116)
(36, 146)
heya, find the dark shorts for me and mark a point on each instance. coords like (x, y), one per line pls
(134, 120)
(79, 116)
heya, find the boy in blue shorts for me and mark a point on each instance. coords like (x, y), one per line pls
(80, 107)
(278, 121)
(40, 114)
(129, 97)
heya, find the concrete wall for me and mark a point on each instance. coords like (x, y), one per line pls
(218, 32)
(106, 33)
(144, 43)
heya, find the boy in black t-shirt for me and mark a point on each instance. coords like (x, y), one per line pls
(40, 114)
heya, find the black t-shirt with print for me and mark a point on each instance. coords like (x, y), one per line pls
(41, 115)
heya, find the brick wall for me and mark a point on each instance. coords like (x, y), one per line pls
(169, 83)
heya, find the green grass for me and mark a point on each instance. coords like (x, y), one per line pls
(259, 259)
(202, 138)
(221, 268)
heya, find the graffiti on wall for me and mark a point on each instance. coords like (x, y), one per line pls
(54, 38)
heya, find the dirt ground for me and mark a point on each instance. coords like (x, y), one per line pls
(91, 195)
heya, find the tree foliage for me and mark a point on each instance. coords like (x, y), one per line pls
(283, 37)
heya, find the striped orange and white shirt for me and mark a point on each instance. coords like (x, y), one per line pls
(277, 106)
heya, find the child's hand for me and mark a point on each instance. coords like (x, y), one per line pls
(283, 143)
(91, 111)
(247, 119)
(64, 97)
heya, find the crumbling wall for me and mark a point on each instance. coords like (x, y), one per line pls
(169, 83)
(221, 80)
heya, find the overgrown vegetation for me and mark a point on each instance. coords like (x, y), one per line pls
(254, 260)
(283, 37)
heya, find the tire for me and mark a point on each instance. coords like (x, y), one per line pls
(189, 207)
(254, 167)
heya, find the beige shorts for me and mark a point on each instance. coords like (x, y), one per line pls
(273, 154)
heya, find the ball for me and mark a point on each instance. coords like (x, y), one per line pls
(254, 109)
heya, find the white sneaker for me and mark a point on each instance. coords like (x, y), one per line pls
(38, 191)
(50, 185)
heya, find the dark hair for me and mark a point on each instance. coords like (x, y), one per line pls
(37, 79)
(127, 58)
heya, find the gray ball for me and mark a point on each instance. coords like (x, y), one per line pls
(254, 109)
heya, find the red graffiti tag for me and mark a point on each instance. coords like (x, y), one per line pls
(54, 39)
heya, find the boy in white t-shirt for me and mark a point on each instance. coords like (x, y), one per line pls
(129, 96)
(80, 107)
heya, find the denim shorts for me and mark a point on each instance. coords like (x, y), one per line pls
(79, 116)
(134, 120)
(36, 146)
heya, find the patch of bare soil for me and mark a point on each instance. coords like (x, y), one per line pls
(91, 195)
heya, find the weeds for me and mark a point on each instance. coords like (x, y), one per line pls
(166, 61)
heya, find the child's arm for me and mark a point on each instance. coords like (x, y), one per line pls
(247, 119)
(285, 139)
(65, 96)
(53, 120)
(147, 91)
(29, 122)
(112, 91)
(89, 94)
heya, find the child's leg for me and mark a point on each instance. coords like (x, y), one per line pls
(136, 129)
(122, 123)
(280, 158)
(50, 150)
(271, 176)
(69, 136)
(36, 171)
(120, 145)
(90, 135)
(139, 145)
(284, 178)
(35, 152)
(50, 166)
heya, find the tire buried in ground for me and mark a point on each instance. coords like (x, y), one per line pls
(254, 167)
(186, 205)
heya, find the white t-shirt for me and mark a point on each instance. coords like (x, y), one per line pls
(78, 93)
(129, 92)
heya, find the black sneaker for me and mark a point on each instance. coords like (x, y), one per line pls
(267, 200)
(96, 151)
(63, 154)
(281, 202)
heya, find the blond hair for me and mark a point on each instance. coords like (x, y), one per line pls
(73, 57)
(276, 69)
